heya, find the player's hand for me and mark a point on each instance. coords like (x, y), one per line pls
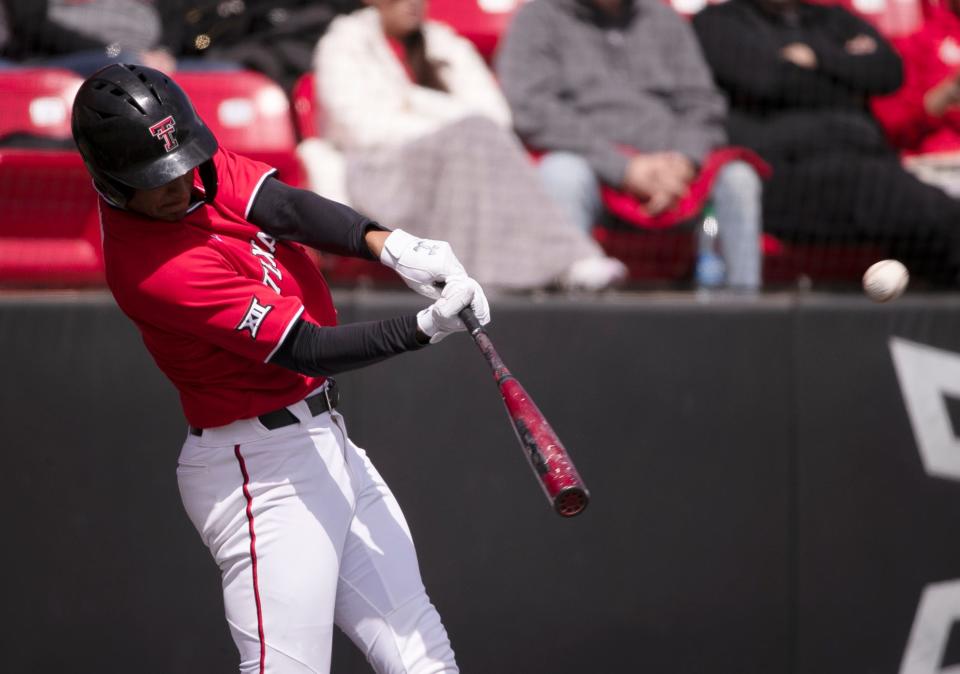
(440, 318)
(658, 179)
(640, 179)
(423, 264)
(683, 168)
(659, 202)
(861, 45)
(800, 55)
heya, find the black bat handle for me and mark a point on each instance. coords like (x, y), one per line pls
(470, 320)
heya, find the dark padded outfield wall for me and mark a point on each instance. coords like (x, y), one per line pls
(875, 526)
(679, 563)
(760, 504)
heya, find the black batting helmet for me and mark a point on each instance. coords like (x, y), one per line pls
(136, 129)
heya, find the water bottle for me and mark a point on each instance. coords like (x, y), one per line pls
(710, 271)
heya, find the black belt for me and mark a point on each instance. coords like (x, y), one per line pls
(319, 403)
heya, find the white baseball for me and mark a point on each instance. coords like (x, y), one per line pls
(885, 280)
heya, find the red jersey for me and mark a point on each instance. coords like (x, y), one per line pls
(214, 297)
(929, 56)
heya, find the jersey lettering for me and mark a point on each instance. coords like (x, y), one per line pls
(254, 318)
(268, 241)
(268, 281)
(241, 317)
(267, 261)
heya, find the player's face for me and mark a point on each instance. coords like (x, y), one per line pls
(400, 17)
(168, 202)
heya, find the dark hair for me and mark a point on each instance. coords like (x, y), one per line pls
(426, 73)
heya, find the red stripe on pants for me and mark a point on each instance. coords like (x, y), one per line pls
(253, 555)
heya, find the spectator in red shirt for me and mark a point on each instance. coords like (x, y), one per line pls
(923, 118)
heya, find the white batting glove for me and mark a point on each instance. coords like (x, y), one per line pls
(440, 318)
(423, 264)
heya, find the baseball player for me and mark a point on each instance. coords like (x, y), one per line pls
(202, 251)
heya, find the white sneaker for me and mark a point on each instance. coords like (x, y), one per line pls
(593, 274)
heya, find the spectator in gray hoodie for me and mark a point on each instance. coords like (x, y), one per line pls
(587, 78)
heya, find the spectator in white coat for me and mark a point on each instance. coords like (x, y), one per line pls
(427, 139)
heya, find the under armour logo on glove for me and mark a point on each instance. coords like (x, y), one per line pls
(164, 130)
(423, 264)
(254, 318)
(423, 245)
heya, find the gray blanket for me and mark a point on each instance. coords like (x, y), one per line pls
(473, 185)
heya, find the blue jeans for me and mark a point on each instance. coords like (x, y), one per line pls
(736, 195)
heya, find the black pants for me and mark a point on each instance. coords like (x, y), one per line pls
(847, 198)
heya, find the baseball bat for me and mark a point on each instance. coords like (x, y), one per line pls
(551, 463)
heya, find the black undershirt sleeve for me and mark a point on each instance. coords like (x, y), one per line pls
(291, 214)
(318, 351)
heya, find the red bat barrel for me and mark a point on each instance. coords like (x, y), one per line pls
(546, 454)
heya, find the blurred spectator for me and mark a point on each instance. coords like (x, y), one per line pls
(274, 37)
(4, 36)
(587, 78)
(429, 148)
(798, 77)
(923, 118)
(85, 35)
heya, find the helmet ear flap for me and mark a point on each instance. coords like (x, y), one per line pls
(208, 176)
(116, 193)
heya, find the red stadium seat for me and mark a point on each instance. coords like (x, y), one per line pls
(480, 21)
(50, 232)
(825, 263)
(37, 101)
(656, 255)
(249, 114)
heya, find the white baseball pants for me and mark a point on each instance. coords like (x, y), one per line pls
(307, 535)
